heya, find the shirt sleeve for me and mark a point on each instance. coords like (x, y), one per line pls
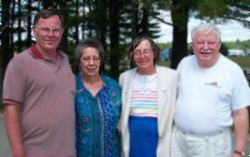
(14, 84)
(241, 91)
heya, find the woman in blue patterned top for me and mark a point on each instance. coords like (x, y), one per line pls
(97, 105)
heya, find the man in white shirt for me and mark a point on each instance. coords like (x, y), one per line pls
(213, 96)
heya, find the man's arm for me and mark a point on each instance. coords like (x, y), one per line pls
(240, 128)
(13, 129)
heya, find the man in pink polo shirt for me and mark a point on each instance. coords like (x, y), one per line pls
(38, 95)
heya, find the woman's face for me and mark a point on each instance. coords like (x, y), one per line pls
(144, 58)
(90, 62)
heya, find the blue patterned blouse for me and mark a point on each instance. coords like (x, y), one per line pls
(97, 119)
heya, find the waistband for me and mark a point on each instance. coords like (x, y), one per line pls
(142, 117)
(202, 135)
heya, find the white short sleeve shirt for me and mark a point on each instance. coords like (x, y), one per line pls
(208, 96)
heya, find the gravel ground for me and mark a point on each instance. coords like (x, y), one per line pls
(5, 149)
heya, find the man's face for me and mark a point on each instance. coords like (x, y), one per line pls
(206, 47)
(48, 33)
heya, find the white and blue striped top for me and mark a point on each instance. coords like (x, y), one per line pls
(144, 101)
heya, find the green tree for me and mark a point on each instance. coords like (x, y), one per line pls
(115, 23)
(224, 49)
(5, 37)
(179, 13)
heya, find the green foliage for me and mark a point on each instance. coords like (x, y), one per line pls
(224, 49)
(212, 9)
(164, 63)
(92, 19)
(222, 10)
(139, 17)
(164, 45)
(72, 58)
(244, 62)
(238, 44)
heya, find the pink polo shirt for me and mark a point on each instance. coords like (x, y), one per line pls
(45, 90)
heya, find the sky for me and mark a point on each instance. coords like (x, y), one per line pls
(230, 31)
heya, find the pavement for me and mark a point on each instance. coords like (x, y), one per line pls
(4, 145)
(5, 148)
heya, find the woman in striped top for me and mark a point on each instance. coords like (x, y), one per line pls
(148, 97)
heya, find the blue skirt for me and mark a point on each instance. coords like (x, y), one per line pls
(143, 136)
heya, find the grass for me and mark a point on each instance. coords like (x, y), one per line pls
(244, 62)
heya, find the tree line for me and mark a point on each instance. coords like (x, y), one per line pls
(114, 22)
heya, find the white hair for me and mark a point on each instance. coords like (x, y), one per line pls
(206, 28)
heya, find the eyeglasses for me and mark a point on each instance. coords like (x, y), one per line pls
(47, 30)
(88, 59)
(146, 53)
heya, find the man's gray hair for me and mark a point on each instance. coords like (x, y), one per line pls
(206, 28)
